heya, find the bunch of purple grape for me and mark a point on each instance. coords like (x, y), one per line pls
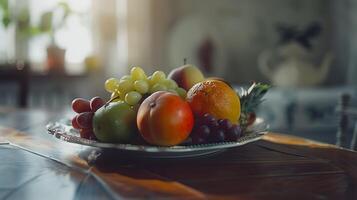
(208, 129)
(83, 120)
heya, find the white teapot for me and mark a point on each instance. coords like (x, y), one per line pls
(293, 68)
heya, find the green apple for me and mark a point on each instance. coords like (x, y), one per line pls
(115, 123)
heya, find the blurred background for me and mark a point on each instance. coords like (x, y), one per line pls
(52, 51)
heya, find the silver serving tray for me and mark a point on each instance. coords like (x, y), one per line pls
(64, 131)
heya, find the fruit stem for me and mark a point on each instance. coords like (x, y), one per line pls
(152, 104)
(111, 100)
(184, 61)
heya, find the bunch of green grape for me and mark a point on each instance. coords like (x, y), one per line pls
(132, 88)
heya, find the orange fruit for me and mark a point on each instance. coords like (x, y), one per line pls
(216, 98)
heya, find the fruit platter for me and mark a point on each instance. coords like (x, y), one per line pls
(184, 114)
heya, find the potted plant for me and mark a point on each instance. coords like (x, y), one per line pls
(50, 24)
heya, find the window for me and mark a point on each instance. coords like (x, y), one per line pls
(72, 34)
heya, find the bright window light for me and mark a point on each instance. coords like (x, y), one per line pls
(75, 36)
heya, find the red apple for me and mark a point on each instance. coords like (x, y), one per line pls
(164, 119)
(186, 76)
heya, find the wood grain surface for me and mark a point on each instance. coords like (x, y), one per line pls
(34, 165)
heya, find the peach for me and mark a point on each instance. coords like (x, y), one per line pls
(164, 119)
(186, 76)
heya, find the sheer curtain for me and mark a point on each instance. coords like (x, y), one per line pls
(148, 27)
(110, 36)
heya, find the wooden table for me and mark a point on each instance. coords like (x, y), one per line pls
(34, 165)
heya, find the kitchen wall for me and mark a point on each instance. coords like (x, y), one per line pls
(240, 31)
(351, 23)
(246, 27)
